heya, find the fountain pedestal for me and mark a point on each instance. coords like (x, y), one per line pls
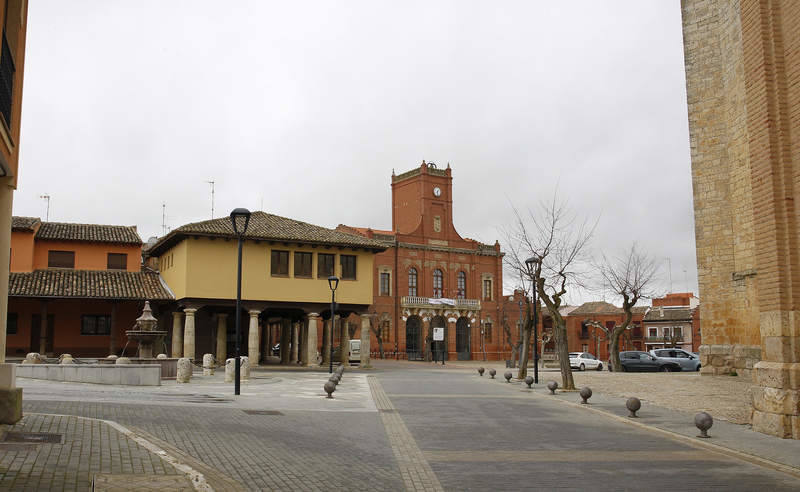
(145, 333)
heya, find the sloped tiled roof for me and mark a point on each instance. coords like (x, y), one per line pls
(669, 314)
(27, 224)
(88, 284)
(596, 307)
(640, 309)
(89, 232)
(268, 227)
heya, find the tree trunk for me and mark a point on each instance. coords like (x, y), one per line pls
(515, 353)
(560, 332)
(380, 346)
(523, 359)
(615, 363)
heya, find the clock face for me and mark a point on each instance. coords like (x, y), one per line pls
(437, 191)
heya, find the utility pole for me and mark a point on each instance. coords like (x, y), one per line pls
(212, 197)
(46, 197)
(669, 262)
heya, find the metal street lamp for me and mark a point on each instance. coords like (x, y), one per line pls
(530, 262)
(333, 283)
(240, 218)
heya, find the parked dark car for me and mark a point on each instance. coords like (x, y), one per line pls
(634, 361)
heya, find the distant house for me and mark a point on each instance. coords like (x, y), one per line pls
(76, 288)
(669, 326)
(589, 325)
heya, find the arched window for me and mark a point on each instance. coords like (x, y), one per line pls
(412, 282)
(437, 283)
(462, 285)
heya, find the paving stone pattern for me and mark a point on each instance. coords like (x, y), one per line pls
(294, 451)
(89, 447)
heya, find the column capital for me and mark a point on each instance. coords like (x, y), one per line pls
(364, 316)
(222, 315)
(177, 314)
(254, 312)
(189, 311)
(312, 315)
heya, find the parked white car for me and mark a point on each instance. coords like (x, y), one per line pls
(584, 360)
(687, 360)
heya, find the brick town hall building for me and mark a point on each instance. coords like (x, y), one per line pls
(430, 277)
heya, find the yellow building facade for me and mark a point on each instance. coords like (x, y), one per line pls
(285, 291)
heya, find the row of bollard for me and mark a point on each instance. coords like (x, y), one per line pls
(333, 381)
(702, 420)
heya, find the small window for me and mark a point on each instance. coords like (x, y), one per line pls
(584, 347)
(385, 279)
(462, 285)
(412, 282)
(667, 331)
(11, 324)
(280, 263)
(487, 331)
(302, 264)
(438, 283)
(348, 267)
(325, 264)
(60, 259)
(117, 261)
(385, 331)
(487, 290)
(92, 324)
(652, 332)
(678, 332)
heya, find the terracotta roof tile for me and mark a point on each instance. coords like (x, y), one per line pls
(27, 224)
(88, 284)
(596, 307)
(89, 232)
(669, 314)
(268, 227)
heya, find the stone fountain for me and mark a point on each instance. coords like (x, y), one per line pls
(145, 334)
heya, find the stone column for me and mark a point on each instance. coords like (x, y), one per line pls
(268, 335)
(295, 341)
(188, 333)
(43, 329)
(222, 338)
(326, 343)
(6, 198)
(344, 347)
(365, 341)
(253, 339)
(177, 334)
(310, 347)
(286, 340)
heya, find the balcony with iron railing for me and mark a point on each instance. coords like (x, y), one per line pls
(434, 302)
(664, 339)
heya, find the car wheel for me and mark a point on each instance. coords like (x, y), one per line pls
(665, 369)
(583, 367)
(600, 367)
(698, 368)
(623, 368)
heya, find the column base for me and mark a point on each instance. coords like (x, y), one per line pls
(729, 360)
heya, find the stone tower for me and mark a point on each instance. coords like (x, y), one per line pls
(743, 86)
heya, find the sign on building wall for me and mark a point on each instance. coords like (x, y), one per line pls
(438, 334)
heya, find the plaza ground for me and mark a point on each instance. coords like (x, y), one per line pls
(413, 426)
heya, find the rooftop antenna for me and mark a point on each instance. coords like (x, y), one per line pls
(164, 218)
(669, 262)
(46, 197)
(686, 279)
(212, 197)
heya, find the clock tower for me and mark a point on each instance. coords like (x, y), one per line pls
(422, 203)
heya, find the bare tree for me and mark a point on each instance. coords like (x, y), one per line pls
(375, 328)
(598, 337)
(510, 338)
(629, 276)
(556, 245)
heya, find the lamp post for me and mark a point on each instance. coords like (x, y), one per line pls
(530, 262)
(240, 218)
(333, 283)
(519, 326)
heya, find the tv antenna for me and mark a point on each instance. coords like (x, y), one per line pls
(46, 197)
(164, 218)
(212, 197)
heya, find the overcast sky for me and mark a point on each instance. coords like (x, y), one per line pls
(307, 107)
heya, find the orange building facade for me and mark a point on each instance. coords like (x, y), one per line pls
(430, 277)
(76, 288)
(589, 326)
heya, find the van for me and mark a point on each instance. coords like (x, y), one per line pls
(355, 351)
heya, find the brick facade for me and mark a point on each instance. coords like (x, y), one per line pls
(743, 86)
(423, 242)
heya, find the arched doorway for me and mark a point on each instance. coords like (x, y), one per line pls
(413, 338)
(462, 339)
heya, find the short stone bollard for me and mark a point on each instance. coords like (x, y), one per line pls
(66, 359)
(208, 365)
(244, 372)
(230, 370)
(161, 356)
(703, 421)
(633, 405)
(329, 388)
(480, 371)
(112, 357)
(33, 358)
(184, 370)
(335, 379)
(508, 376)
(529, 381)
(122, 360)
(492, 372)
(552, 386)
(586, 393)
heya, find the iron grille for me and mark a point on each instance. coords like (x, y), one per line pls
(7, 71)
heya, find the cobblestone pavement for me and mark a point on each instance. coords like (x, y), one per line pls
(406, 426)
(85, 447)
